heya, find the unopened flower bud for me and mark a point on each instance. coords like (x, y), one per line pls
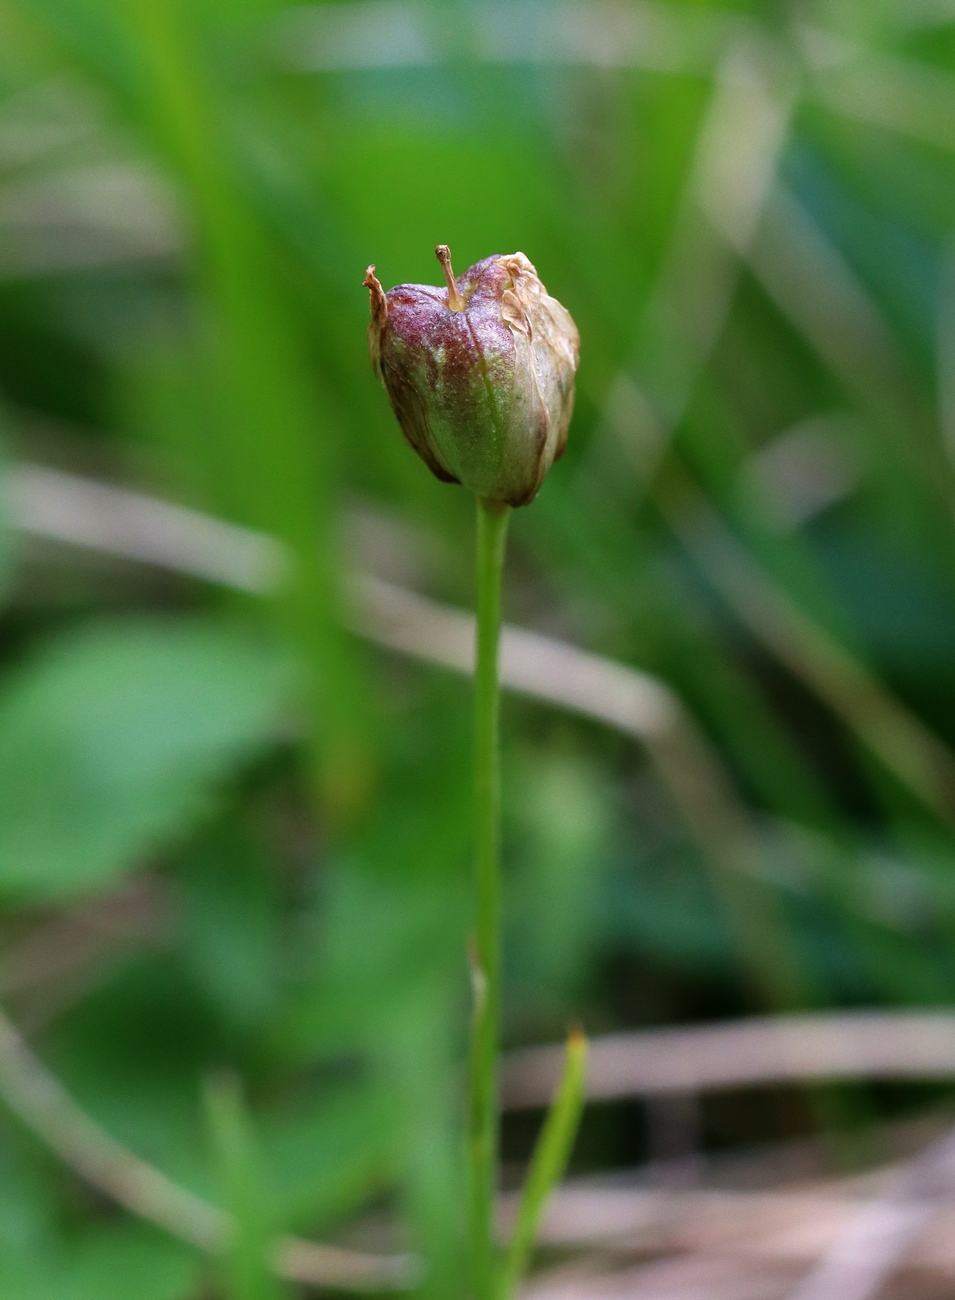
(479, 372)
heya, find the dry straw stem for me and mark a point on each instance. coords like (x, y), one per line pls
(879, 1235)
(738, 151)
(65, 507)
(734, 211)
(721, 210)
(634, 703)
(50, 503)
(795, 1226)
(78, 511)
(787, 252)
(762, 1051)
(68, 508)
(733, 173)
(733, 1245)
(895, 734)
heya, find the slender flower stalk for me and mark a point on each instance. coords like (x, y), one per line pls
(492, 521)
(480, 374)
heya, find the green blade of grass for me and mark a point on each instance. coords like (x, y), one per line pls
(247, 1265)
(548, 1163)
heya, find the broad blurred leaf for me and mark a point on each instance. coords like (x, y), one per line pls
(113, 738)
(114, 1263)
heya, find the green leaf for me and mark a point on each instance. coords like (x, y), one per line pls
(113, 739)
(106, 1264)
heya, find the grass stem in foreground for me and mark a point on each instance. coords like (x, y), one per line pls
(548, 1163)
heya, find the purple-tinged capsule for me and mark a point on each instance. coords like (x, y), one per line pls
(480, 373)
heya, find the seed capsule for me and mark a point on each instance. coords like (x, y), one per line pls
(479, 372)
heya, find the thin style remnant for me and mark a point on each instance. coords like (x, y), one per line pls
(480, 373)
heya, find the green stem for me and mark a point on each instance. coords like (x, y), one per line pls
(492, 522)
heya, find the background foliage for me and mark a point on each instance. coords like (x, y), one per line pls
(233, 837)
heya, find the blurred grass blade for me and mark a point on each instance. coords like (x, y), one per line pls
(269, 450)
(547, 1163)
(247, 1268)
(894, 734)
